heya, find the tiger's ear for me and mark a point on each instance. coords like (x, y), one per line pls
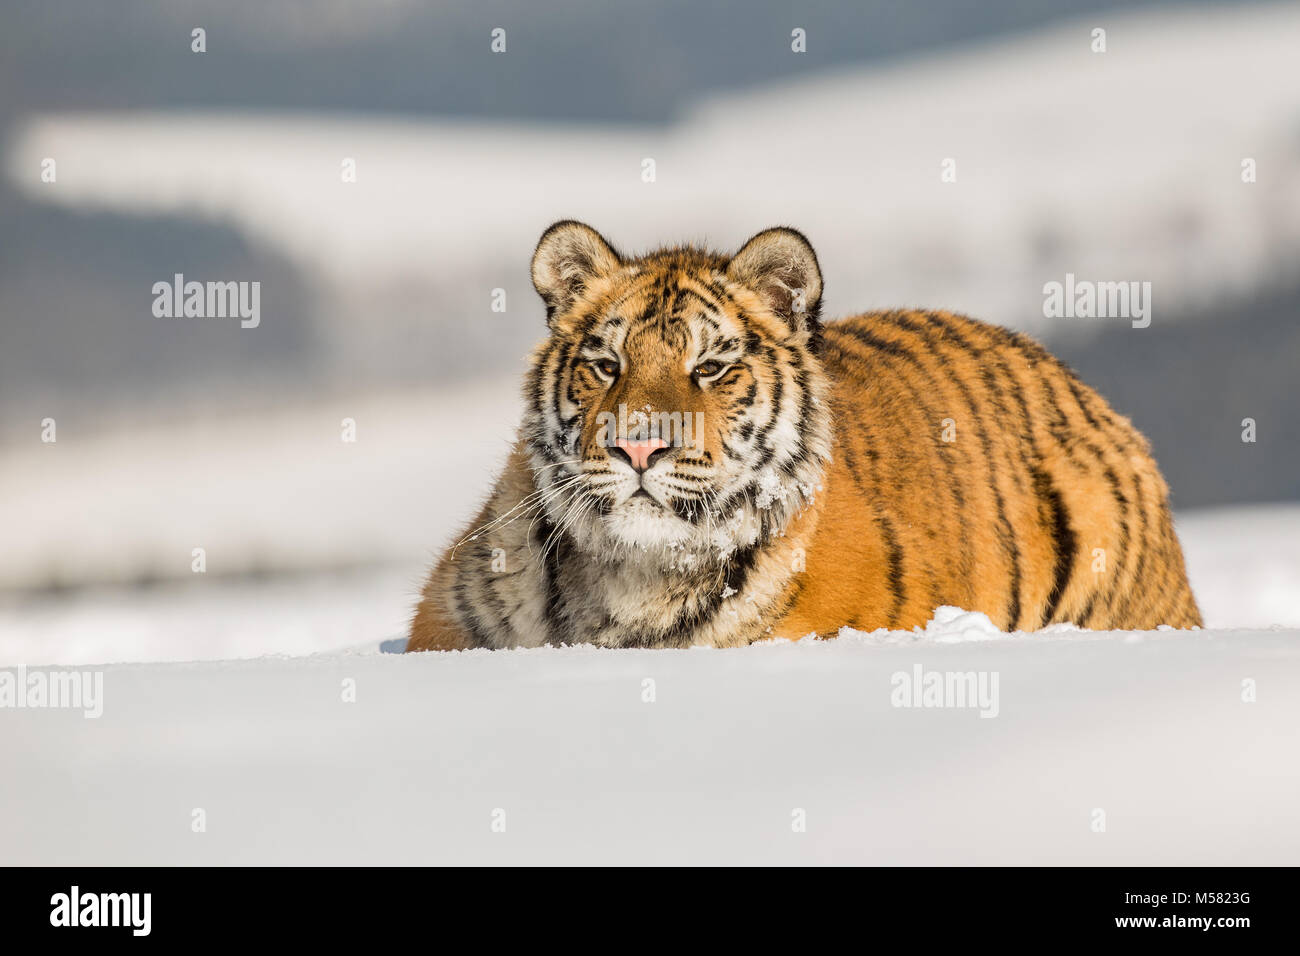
(568, 256)
(780, 265)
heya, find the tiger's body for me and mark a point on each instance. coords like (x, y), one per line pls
(861, 472)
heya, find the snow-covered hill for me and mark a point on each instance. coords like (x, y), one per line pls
(1102, 163)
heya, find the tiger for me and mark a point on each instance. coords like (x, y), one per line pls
(702, 461)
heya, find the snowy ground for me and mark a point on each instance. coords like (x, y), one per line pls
(561, 746)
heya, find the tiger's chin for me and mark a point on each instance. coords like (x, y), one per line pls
(640, 522)
(646, 529)
(640, 531)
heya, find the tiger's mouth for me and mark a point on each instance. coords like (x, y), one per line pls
(643, 502)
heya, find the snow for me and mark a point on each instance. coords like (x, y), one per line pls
(950, 625)
(1244, 564)
(714, 769)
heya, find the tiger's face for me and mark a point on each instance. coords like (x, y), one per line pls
(675, 414)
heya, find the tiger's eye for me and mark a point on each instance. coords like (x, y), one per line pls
(607, 367)
(708, 369)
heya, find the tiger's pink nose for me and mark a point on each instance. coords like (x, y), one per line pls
(639, 453)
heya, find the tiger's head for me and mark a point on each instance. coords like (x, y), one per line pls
(677, 411)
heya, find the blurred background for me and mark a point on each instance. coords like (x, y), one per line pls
(384, 174)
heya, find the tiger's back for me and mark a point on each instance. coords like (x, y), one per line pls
(978, 471)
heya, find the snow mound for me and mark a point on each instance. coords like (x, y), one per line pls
(948, 625)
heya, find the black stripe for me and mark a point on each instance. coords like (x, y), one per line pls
(739, 566)
(1142, 548)
(561, 361)
(1117, 492)
(554, 611)
(894, 553)
(1117, 566)
(1063, 543)
(765, 452)
(895, 578)
(1086, 616)
(469, 618)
